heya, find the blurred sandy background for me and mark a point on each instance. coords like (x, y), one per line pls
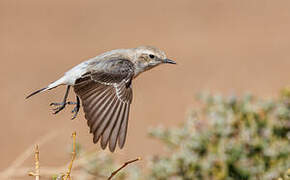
(220, 46)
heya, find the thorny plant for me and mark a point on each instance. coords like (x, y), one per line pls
(229, 138)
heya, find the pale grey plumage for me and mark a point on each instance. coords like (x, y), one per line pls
(103, 84)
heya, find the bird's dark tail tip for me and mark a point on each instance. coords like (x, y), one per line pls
(38, 91)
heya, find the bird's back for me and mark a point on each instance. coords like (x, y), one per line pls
(97, 63)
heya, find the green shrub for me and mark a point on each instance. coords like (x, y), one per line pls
(228, 138)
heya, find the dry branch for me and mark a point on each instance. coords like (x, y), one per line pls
(7, 173)
(124, 165)
(67, 176)
(16, 171)
(36, 172)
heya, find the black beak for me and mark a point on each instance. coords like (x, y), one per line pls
(169, 61)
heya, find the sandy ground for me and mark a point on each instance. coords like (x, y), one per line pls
(220, 46)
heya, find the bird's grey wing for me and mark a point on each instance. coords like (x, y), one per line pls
(106, 95)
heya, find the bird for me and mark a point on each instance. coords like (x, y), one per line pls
(103, 87)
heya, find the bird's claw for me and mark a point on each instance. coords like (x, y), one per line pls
(75, 111)
(56, 104)
(61, 106)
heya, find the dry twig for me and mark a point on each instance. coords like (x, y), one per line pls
(67, 176)
(36, 172)
(7, 173)
(16, 171)
(124, 165)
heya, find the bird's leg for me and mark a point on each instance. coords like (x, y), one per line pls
(61, 105)
(76, 108)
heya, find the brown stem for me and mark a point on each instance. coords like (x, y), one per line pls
(36, 172)
(67, 176)
(124, 165)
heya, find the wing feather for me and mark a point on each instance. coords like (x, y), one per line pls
(93, 103)
(123, 128)
(115, 132)
(107, 131)
(105, 119)
(103, 110)
(105, 122)
(106, 96)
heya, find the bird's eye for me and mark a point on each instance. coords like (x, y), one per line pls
(151, 56)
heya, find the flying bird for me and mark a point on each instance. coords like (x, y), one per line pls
(103, 84)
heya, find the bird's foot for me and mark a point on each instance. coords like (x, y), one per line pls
(60, 106)
(75, 111)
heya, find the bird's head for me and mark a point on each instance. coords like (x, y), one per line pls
(148, 57)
